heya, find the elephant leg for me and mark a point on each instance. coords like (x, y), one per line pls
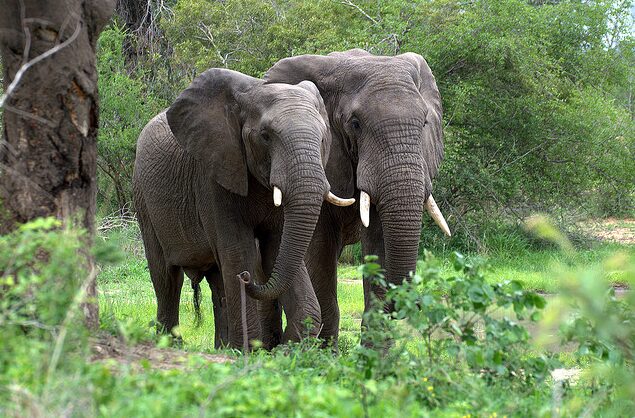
(240, 257)
(219, 302)
(269, 311)
(302, 309)
(321, 263)
(373, 244)
(167, 280)
(167, 286)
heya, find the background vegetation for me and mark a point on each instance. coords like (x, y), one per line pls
(538, 96)
(539, 115)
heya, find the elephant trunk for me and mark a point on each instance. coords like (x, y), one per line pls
(302, 203)
(400, 206)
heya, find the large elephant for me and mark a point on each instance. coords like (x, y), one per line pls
(203, 180)
(385, 119)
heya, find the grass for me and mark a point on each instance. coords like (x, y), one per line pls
(128, 303)
(301, 380)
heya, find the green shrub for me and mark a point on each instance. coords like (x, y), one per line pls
(126, 107)
(461, 332)
(600, 324)
(41, 328)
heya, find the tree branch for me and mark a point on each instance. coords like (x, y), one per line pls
(353, 5)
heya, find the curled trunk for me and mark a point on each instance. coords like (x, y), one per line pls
(302, 207)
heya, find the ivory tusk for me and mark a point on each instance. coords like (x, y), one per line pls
(277, 196)
(364, 208)
(435, 213)
(338, 201)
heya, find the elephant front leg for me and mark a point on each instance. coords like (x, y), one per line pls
(302, 309)
(219, 302)
(373, 244)
(321, 263)
(269, 311)
(240, 257)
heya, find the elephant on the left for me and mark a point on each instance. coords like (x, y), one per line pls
(204, 176)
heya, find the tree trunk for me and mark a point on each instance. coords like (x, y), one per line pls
(49, 150)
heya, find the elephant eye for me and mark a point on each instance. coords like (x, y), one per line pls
(265, 136)
(355, 124)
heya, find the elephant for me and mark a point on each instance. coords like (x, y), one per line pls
(385, 118)
(204, 174)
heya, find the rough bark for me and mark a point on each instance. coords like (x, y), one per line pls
(49, 147)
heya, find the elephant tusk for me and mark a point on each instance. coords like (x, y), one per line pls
(435, 213)
(277, 196)
(338, 201)
(364, 208)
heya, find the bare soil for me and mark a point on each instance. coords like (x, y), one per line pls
(611, 230)
(106, 347)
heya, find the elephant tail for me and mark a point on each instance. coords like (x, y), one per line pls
(196, 287)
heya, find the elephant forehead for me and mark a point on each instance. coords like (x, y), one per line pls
(277, 93)
(281, 118)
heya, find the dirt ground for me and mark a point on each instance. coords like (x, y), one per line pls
(106, 347)
(610, 230)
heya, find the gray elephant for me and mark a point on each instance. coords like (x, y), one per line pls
(203, 180)
(385, 118)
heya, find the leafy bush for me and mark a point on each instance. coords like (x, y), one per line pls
(453, 346)
(532, 118)
(600, 324)
(41, 274)
(126, 107)
(459, 333)
(536, 94)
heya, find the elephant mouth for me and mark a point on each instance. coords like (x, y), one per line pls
(431, 207)
(329, 197)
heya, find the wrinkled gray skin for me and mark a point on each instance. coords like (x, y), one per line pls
(202, 184)
(385, 119)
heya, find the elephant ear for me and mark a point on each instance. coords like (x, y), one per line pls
(433, 133)
(318, 69)
(205, 120)
(293, 70)
(326, 143)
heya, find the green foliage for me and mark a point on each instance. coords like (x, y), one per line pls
(25, 267)
(251, 35)
(126, 107)
(537, 95)
(454, 346)
(461, 331)
(600, 325)
(40, 276)
(532, 118)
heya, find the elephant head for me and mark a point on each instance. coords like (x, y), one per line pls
(238, 127)
(385, 117)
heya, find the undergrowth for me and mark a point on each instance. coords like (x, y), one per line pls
(454, 345)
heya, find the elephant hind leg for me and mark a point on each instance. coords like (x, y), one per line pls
(167, 286)
(167, 280)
